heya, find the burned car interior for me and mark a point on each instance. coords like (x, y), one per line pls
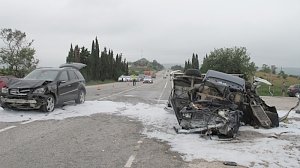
(217, 104)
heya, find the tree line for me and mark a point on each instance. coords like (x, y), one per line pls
(194, 64)
(100, 65)
(235, 60)
(17, 58)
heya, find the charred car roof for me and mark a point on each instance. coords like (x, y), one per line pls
(225, 79)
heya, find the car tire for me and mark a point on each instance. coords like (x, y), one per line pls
(5, 107)
(274, 118)
(81, 97)
(49, 105)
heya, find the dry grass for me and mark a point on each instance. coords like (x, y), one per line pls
(276, 80)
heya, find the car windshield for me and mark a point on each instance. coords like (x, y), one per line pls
(40, 74)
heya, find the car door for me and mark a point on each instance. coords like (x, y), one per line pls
(74, 82)
(64, 87)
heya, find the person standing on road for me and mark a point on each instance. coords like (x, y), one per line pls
(134, 81)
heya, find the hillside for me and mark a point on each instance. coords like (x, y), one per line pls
(276, 80)
(143, 64)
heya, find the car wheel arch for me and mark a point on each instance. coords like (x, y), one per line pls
(80, 99)
(45, 106)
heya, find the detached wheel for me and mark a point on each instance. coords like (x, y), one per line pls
(49, 105)
(81, 97)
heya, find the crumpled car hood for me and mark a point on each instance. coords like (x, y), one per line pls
(22, 83)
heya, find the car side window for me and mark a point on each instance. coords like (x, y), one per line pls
(63, 76)
(72, 75)
(79, 75)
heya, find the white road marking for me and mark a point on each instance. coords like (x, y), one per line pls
(7, 128)
(132, 157)
(130, 160)
(162, 92)
(27, 122)
(120, 92)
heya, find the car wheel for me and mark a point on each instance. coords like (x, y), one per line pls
(5, 107)
(49, 105)
(81, 97)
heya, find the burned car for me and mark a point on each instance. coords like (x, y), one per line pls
(217, 103)
(44, 88)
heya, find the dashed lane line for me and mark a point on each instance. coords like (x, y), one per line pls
(132, 157)
(7, 128)
(162, 92)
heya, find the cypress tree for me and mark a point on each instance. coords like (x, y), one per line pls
(76, 54)
(97, 60)
(70, 57)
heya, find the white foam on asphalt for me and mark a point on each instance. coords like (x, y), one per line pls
(257, 152)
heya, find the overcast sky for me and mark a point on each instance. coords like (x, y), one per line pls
(169, 31)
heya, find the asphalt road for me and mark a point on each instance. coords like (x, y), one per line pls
(100, 140)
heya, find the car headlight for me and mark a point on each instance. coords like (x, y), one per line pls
(39, 90)
(4, 90)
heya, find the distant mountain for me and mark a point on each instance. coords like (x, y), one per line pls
(146, 65)
(141, 62)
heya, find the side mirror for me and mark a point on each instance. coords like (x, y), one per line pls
(60, 82)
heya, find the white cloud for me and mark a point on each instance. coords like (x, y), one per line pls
(162, 29)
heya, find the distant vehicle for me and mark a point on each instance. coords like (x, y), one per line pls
(128, 79)
(4, 80)
(148, 79)
(141, 77)
(124, 78)
(44, 88)
(150, 73)
(121, 78)
(293, 90)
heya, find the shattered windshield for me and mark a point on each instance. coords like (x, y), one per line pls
(40, 74)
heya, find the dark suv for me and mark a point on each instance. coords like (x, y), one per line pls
(44, 88)
(293, 90)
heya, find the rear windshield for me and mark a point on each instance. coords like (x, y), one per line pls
(40, 74)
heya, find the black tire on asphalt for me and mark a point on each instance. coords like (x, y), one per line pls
(49, 105)
(80, 97)
(274, 118)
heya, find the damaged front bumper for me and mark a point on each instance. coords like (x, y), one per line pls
(23, 103)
